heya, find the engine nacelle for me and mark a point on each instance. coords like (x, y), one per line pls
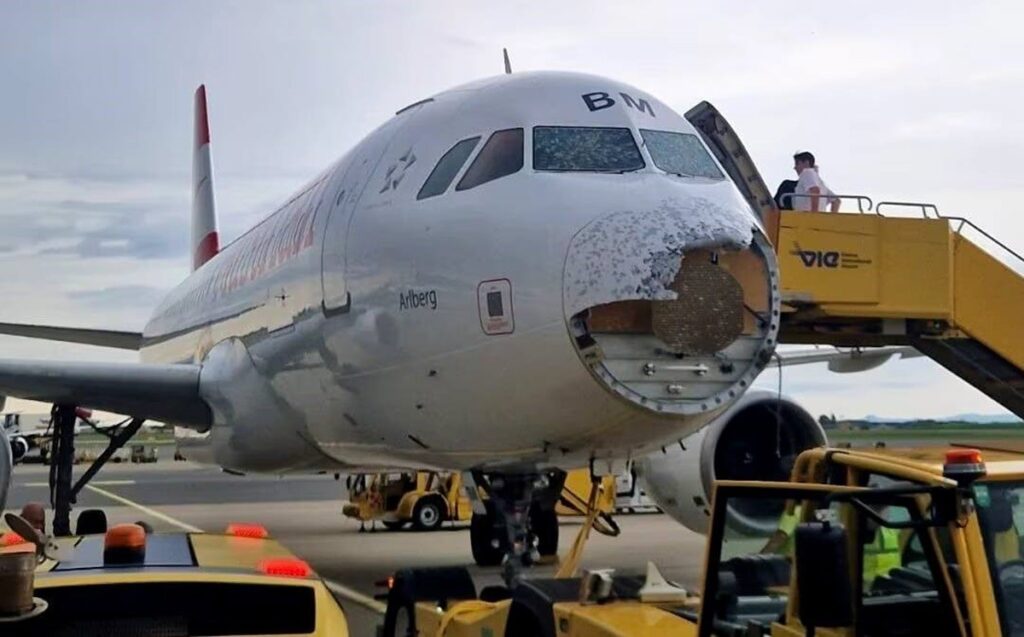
(758, 438)
(19, 448)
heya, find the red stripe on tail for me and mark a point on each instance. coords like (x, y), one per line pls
(206, 250)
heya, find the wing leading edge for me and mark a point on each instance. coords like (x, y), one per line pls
(844, 361)
(100, 338)
(168, 393)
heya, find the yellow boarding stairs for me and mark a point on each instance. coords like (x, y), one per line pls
(869, 278)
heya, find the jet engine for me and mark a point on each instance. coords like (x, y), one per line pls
(19, 447)
(758, 438)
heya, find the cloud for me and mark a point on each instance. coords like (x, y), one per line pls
(946, 126)
(95, 159)
(123, 295)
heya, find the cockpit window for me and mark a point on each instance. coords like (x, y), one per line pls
(447, 167)
(680, 154)
(502, 155)
(585, 149)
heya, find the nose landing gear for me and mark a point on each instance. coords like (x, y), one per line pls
(518, 523)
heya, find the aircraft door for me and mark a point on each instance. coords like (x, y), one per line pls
(345, 197)
(730, 152)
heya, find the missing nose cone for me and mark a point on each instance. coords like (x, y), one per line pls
(675, 310)
(707, 314)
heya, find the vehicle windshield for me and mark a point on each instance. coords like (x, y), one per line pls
(585, 149)
(680, 154)
(1001, 516)
(754, 532)
(192, 608)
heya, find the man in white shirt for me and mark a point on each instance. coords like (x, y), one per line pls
(811, 192)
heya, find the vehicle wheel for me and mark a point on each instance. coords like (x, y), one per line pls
(396, 525)
(486, 552)
(426, 515)
(544, 525)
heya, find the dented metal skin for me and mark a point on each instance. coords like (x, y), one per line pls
(372, 346)
(636, 254)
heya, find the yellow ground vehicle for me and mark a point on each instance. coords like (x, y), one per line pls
(428, 498)
(576, 493)
(125, 581)
(948, 521)
(425, 498)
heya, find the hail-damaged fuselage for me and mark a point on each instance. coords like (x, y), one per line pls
(543, 317)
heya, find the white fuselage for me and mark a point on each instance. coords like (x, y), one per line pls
(349, 328)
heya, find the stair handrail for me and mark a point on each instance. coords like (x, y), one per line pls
(958, 230)
(910, 204)
(967, 222)
(860, 199)
(924, 207)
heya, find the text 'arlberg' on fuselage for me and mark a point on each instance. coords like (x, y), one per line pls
(532, 269)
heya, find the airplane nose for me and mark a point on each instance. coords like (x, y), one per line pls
(675, 308)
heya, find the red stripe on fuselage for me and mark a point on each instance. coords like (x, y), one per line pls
(207, 248)
(202, 123)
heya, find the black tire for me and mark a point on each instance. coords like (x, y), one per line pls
(396, 525)
(481, 539)
(428, 514)
(544, 525)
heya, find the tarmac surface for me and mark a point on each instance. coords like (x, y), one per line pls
(304, 512)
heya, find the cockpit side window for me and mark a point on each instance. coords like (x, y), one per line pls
(680, 154)
(585, 149)
(501, 156)
(447, 167)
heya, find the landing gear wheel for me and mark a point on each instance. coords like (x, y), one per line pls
(544, 524)
(488, 547)
(396, 525)
(426, 515)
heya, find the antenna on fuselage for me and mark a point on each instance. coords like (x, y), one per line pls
(508, 65)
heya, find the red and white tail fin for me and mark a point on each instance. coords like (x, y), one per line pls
(205, 240)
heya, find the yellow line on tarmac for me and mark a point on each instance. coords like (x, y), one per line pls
(338, 589)
(145, 509)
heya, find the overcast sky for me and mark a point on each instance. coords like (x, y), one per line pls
(899, 100)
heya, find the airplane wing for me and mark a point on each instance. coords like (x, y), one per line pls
(843, 361)
(100, 338)
(169, 393)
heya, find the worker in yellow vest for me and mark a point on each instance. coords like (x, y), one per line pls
(882, 554)
(781, 541)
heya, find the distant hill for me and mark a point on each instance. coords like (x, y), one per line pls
(964, 423)
(981, 419)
